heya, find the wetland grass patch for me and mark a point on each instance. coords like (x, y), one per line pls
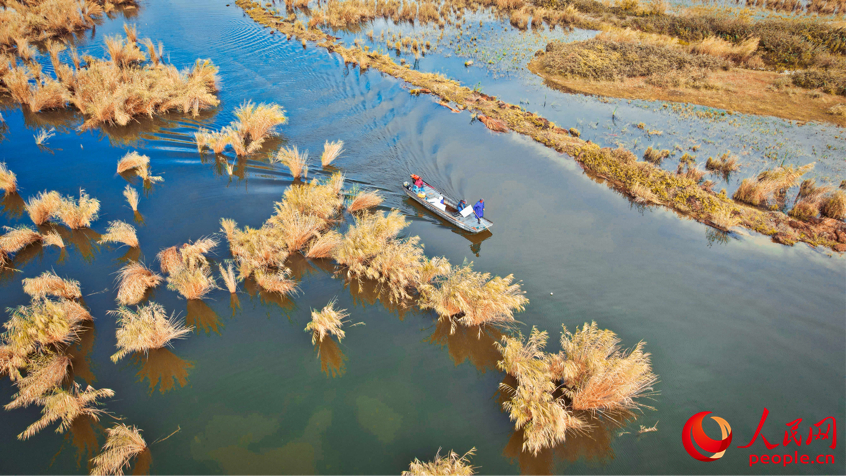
(120, 232)
(123, 443)
(134, 280)
(65, 406)
(8, 180)
(144, 329)
(14, 240)
(43, 207)
(331, 151)
(328, 321)
(450, 464)
(49, 283)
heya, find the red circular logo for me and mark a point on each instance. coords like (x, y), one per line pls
(693, 432)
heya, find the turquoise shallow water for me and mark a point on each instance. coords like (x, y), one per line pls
(734, 324)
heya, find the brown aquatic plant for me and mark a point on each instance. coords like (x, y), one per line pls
(120, 232)
(192, 282)
(255, 122)
(544, 419)
(43, 324)
(327, 321)
(599, 376)
(363, 200)
(54, 239)
(278, 281)
(132, 161)
(450, 464)
(43, 206)
(264, 247)
(471, 298)
(331, 151)
(834, 205)
(131, 196)
(123, 443)
(49, 283)
(770, 186)
(14, 240)
(324, 246)
(66, 406)
(44, 372)
(8, 180)
(78, 213)
(134, 280)
(146, 328)
(366, 238)
(228, 275)
(527, 360)
(296, 161)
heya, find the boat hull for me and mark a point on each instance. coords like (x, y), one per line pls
(469, 223)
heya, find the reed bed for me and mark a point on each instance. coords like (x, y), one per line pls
(132, 161)
(43, 207)
(120, 232)
(134, 280)
(525, 361)
(65, 406)
(296, 161)
(8, 180)
(123, 443)
(49, 283)
(78, 213)
(364, 200)
(43, 324)
(146, 328)
(14, 240)
(258, 248)
(331, 151)
(724, 165)
(450, 464)
(118, 89)
(715, 46)
(834, 205)
(327, 321)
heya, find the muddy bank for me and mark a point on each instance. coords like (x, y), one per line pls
(639, 180)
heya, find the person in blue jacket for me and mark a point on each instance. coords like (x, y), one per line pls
(461, 205)
(479, 209)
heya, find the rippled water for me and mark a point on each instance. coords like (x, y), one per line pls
(734, 324)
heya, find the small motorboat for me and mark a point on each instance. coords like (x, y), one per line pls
(430, 198)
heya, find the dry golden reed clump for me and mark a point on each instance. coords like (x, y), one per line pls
(834, 205)
(132, 161)
(296, 161)
(134, 281)
(715, 46)
(246, 135)
(14, 240)
(78, 213)
(66, 406)
(366, 238)
(123, 443)
(228, 276)
(331, 151)
(131, 196)
(120, 232)
(54, 239)
(451, 464)
(188, 269)
(474, 299)
(276, 281)
(258, 248)
(44, 372)
(42, 324)
(325, 245)
(363, 200)
(43, 206)
(8, 180)
(49, 283)
(146, 328)
(525, 361)
(327, 321)
(769, 188)
(599, 376)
